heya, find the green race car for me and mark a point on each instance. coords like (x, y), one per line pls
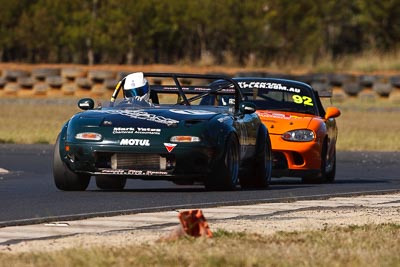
(178, 135)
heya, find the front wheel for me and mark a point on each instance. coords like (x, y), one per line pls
(225, 173)
(110, 182)
(64, 178)
(328, 169)
(259, 174)
(331, 173)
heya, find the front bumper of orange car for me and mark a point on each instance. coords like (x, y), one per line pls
(295, 159)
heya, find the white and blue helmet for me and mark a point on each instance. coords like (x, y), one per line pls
(137, 86)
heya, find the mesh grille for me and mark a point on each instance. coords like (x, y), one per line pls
(136, 161)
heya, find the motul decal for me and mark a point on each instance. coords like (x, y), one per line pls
(169, 146)
(134, 142)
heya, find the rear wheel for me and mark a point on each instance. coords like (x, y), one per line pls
(225, 173)
(110, 182)
(64, 178)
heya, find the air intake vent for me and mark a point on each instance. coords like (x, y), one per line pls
(138, 161)
(192, 122)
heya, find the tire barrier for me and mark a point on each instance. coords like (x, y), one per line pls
(3, 82)
(252, 74)
(367, 80)
(395, 81)
(55, 82)
(382, 89)
(84, 83)
(69, 89)
(78, 81)
(323, 88)
(40, 74)
(368, 95)
(26, 82)
(305, 78)
(338, 79)
(13, 75)
(122, 74)
(110, 83)
(318, 77)
(99, 76)
(72, 73)
(11, 88)
(352, 88)
(40, 89)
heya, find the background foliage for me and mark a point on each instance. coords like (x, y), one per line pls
(239, 32)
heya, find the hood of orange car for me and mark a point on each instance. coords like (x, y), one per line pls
(279, 122)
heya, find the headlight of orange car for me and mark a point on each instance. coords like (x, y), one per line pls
(299, 135)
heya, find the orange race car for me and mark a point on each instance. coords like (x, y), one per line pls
(303, 134)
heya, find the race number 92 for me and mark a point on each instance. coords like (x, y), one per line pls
(305, 100)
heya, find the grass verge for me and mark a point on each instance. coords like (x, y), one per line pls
(370, 245)
(368, 126)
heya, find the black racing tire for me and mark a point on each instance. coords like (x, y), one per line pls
(72, 73)
(319, 177)
(395, 81)
(323, 88)
(225, 173)
(324, 176)
(259, 175)
(26, 82)
(11, 88)
(13, 75)
(54, 81)
(40, 88)
(260, 74)
(382, 88)
(367, 80)
(99, 76)
(110, 84)
(84, 82)
(69, 88)
(330, 175)
(110, 182)
(338, 79)
(3, 82)
(64, 178)
(41, 74)
(352, 88)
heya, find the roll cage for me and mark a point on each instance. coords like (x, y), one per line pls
(180, 84)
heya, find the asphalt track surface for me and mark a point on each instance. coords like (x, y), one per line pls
(28, 194)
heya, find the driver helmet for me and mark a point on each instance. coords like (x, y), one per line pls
(136, 86)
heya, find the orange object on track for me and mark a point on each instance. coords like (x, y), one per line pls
(194, 223)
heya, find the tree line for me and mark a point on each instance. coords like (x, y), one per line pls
(180, 31)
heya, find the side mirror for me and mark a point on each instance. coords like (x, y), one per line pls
(86, 103)
(332, 112)
(247, 107)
